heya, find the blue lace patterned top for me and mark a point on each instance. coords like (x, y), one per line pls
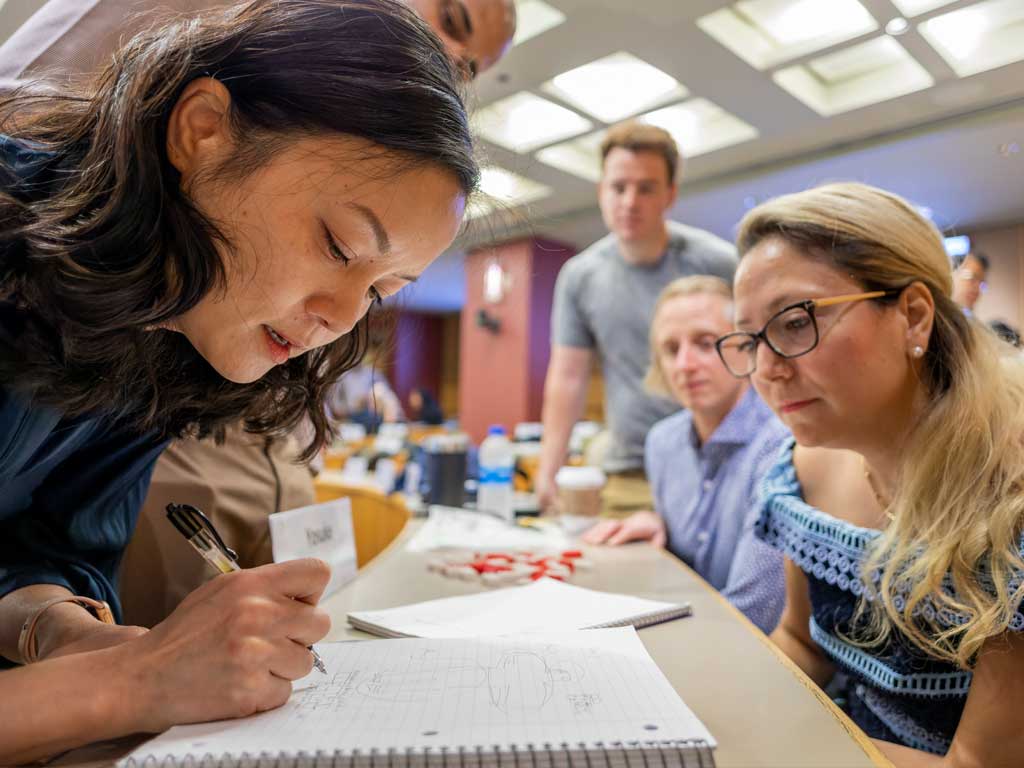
(896, 693)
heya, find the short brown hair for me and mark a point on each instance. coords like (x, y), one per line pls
(694, 285)
(640, 137)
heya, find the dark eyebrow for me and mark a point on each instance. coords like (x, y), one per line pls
(381, 234)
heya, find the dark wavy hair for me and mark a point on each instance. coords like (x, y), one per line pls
(102, 243)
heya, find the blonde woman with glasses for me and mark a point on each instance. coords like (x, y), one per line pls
(900, 506)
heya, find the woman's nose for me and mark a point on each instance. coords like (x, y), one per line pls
(770, 364)
(338, 314)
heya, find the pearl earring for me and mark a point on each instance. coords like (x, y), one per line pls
(917, 351)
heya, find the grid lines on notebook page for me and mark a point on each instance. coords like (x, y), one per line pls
(597, 695)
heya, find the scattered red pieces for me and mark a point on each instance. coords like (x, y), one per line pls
(502, 569)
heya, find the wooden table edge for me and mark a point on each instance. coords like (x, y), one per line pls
(844, 721)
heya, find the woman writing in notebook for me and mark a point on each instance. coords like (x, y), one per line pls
(901, 507)
(195, 241)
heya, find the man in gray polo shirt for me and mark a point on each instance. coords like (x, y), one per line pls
(604, 297)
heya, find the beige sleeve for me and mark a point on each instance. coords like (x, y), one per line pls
(66, 38)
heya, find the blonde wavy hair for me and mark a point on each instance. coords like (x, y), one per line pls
(654, 380)
(959, 505)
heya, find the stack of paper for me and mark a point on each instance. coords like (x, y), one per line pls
(544, 606)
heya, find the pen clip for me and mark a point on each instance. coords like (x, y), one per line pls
(194, 519)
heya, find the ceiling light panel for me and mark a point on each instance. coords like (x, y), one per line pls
(700, 126)
(848, 64)
(580, 157)
(615, 87)
(501, 189)
(864, 74)
(979, 37)
(768, 32)
(523, 122)
(535, 17)
(917, 7)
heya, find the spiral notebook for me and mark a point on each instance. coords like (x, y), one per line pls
(545, 605)
(593, 699)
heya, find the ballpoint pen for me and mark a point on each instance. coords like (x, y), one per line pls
(200, 533)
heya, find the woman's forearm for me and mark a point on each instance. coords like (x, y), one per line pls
(91, 689)
(58, 625)
(814, 665)
(905, 757)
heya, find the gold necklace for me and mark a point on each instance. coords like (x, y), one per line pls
(882, 503)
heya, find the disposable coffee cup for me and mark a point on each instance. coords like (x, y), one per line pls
(579, 491)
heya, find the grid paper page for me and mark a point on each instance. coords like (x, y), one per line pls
(580, 687)
(545, 605)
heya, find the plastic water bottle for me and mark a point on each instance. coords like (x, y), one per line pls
(496, 460)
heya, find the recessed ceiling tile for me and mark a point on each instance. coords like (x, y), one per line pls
(580, 157)
(917, 7)
(501, 189)
(700, 126)
(979, 37)
(768, 32)
(864, 74)
(615, 87)
(535, 17)
(523, 122)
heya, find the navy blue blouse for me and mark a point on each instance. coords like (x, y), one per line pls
(70, 488)
(897, 693)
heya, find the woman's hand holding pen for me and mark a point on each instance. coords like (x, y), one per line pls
(232, 647)
(93, 637)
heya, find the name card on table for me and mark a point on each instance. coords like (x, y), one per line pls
(321, 530)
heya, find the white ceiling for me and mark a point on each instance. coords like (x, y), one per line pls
(940, 147)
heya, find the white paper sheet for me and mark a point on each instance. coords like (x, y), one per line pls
(320, 530)
(543, 606)
(453, 528)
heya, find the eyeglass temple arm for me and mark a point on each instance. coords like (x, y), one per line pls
(853, 297)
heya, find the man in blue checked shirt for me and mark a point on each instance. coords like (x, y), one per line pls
(705, 463)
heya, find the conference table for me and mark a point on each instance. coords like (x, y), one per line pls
(760, 707)
(762, 710)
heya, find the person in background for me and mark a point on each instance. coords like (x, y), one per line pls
(363, 395)
(970, 273)
(65, 38)
(900, 508)
(706, 463)
(604, 300)
(237, 483)
(424, 408)
(241, 479)
(191, 241)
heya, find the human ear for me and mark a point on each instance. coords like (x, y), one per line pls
(918, 308)
(198, 132)
(671, 194)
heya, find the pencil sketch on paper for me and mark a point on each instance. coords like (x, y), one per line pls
(583, 703)
(519, 682)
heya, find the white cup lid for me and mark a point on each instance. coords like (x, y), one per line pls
(580, 478)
